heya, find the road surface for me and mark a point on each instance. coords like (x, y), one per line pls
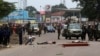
(51, 49)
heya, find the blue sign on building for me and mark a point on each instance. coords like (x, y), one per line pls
(19, 14)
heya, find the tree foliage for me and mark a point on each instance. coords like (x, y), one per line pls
(31, 10)
(98, 9)
(6, 8)
(55, 8)
(89, 8)
(1, 1)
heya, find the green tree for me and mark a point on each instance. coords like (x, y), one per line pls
(56, 8)
(89, 8)
(98, 9)
(1, 1)
(31, 10)
(6, 8)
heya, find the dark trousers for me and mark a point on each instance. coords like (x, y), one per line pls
(39, 33)
(90, 36)
(8, 39)
(5, 40)
(44, 31)
(20, 40)
(83, 37)
(1, 39)
(58, 35)
(95, 34)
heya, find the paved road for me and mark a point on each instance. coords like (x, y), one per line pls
(52, 50)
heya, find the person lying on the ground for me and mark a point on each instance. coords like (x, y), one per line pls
(30, 39)
(47, 42)
(78, 41)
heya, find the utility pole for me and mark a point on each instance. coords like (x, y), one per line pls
(24, 4)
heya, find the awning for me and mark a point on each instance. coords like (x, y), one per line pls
(25, 21)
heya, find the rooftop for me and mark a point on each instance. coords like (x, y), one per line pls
(60, 13)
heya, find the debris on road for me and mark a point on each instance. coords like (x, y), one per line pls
(75, 43)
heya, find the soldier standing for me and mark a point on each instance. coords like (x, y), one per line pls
(95, 31)
(83, 37)
(90, 32)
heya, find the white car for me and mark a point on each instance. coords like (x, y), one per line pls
(36, 28)
(50, 28)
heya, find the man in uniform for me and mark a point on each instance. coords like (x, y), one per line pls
(83, 37)
(90, 32)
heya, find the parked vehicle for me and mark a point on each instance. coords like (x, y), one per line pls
(50, 28)
(72, 30)
(36, 28)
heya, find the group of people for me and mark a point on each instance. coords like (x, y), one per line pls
(5, 33)
(6, 30)
(91, 31)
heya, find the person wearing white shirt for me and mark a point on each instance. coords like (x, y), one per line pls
(30, 39)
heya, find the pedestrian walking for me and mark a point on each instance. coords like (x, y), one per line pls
(59, 27)
(45, 29)
(40, 30)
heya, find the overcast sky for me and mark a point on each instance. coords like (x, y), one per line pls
(42, 3)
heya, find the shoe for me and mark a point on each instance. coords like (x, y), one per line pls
(8, 46)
